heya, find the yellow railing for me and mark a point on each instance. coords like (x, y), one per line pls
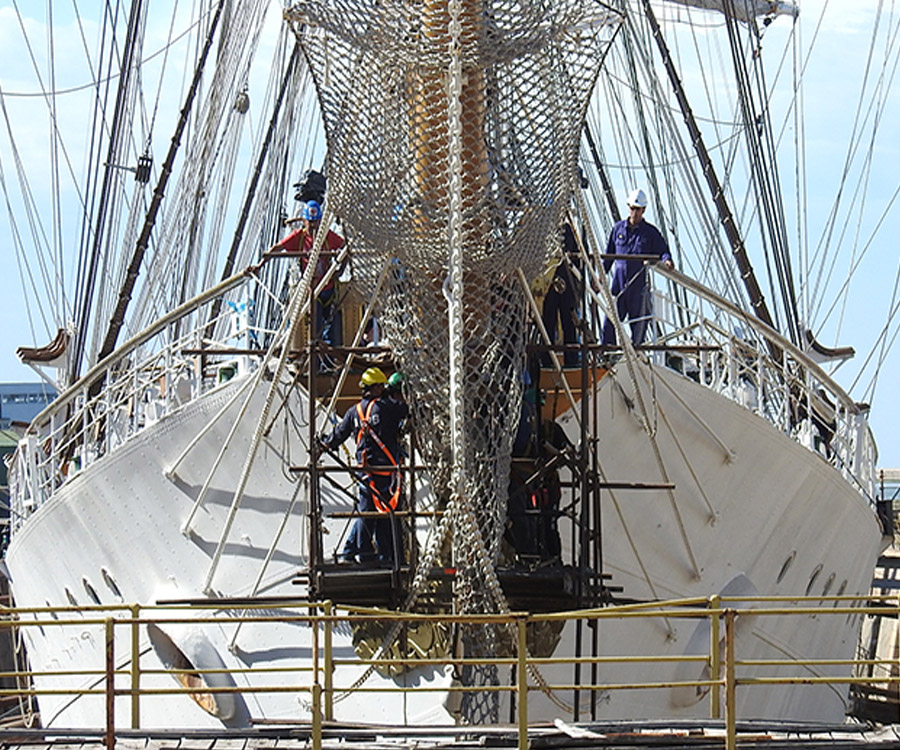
(127, 624)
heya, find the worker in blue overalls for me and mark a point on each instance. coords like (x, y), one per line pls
(633, 236)
(375, 422)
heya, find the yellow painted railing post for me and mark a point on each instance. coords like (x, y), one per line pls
(873, 670)
(135, 667)
(329, 664)
(730, 708)
(110, 686)
(314, 625)
(317, 716)
(522, 680)
(715, 657)
(316, 687)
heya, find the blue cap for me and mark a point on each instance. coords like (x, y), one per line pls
(312, 211)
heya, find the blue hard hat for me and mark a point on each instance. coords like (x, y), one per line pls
(312, 211)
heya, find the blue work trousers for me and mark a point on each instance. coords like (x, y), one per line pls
(371, 538)
(633, 304)
(328, 318)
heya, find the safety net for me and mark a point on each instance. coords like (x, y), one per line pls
(453, 130)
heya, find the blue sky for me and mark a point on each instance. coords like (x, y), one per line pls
(835, 68)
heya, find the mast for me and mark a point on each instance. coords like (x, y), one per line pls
(118, 317)
(119, 121)
(729, 224)
(608, 191)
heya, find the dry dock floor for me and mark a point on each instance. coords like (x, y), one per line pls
(559, 736)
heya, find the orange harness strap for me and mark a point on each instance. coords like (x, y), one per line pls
(394, 500)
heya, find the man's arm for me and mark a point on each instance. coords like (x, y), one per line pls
(340, 433)
(665, 257)
(610, 249)
(291, 243)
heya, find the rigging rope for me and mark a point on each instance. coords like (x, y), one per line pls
(22, 265)
(189, 217)
(32, 215)
(104, 226)
(883, 343)
(827, 264)
(49, 252)
(159, 86)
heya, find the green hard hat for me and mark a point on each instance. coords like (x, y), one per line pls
(396, 379)
(531, 396)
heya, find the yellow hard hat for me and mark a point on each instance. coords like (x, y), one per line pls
(372, 376)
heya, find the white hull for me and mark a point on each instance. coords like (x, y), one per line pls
(123, 515)
(772, 499)
(452, 161)
(785, 524)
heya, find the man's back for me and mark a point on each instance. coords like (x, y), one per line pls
(382, 416)
(375, 425)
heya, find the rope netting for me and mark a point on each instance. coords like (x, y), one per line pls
(453, 129)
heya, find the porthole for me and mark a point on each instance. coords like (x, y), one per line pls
(91, 591)
(52, 614)
(111, 584)
(828, 584)
(840, 592)
(786, 566)
(812, 579)
(71, 597)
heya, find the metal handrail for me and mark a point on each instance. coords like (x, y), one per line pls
(757, 368)
(727, 670)
(791, 391)
(82, 425)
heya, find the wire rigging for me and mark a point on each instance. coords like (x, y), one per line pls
(33, 219)
(639, 137)
(106, 205)
(876, 106)
(26, 278)
(824, 242)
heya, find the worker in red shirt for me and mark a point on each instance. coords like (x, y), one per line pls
(328, 317)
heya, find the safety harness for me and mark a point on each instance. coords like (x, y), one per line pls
(366, 428)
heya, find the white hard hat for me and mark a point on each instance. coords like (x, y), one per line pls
(637, 197)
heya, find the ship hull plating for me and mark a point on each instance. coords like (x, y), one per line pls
(751, 512)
